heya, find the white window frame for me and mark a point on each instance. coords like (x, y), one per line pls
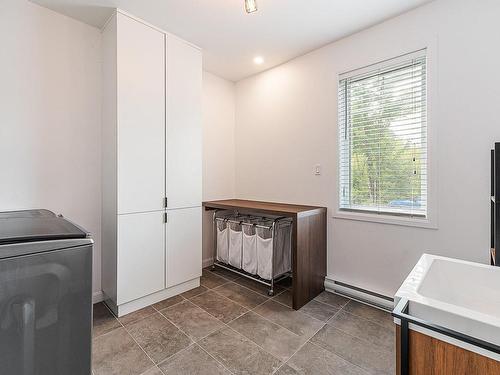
(430, 221)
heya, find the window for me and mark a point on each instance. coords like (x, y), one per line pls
(383, 138)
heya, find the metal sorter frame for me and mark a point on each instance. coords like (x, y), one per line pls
(272, 228)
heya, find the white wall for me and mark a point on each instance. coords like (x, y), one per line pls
(50, 116)
(286, 123)
(218, 148)
(50, 137)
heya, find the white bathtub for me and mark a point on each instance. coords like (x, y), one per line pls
(455, 294)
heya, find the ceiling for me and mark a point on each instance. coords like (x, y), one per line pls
(279, 31)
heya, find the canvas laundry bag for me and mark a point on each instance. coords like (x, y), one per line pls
(264, 253)
(222, 242)
(249, 249)
(235, 244)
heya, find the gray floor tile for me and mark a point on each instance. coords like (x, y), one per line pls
(238, 354)
(224, 273)
(210, 280)
(192, 320)
(361, 353)
(104, 320)
(192, 361)
(153, 371)
(295, 321)
(286, 370)
(357, 337)
(116, 353)
(137, 315)
(158, 337)
(366, 330)
(276, 340)
(318, 310)
(371, 313)
(313, 360)
(219, 306)
(285, 298)
(168, 302)
(241, 295)
(194, 292)
(332, 299)
(257, 287)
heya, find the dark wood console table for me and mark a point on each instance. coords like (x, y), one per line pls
(308, 242)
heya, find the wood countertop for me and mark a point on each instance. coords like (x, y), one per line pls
(272, 208)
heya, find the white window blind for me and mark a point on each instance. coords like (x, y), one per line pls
(383, 138)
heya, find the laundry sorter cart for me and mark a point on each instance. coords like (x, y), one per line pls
(307, 235)
(256, 247)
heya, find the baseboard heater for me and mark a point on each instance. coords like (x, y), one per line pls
(360, 294)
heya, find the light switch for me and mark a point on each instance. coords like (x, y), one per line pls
(317, 170)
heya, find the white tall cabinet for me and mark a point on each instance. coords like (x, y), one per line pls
(151, 164)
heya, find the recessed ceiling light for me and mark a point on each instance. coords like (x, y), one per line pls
(251, 6)
(259, 60)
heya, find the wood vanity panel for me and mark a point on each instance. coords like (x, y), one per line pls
(308, 241)
(310, 259)
(430, 356)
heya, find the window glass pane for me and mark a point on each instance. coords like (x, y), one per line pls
(383, 139)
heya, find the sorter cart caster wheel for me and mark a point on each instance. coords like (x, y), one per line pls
(213, 267)
(270, 293)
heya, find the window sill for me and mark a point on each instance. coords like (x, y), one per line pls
(386, 219)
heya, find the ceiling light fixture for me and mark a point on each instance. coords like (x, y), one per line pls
(251, 6)
(259, 60)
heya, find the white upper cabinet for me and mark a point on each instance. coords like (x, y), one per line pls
(184, 147)
(151, 150)
(140, 116)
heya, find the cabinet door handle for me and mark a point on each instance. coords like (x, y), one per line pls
(166, 217)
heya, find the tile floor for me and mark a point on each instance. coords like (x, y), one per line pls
(230, 326)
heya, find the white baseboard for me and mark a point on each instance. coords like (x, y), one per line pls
(97, 297)
(207, 262)
(359, 294)
(128, 307)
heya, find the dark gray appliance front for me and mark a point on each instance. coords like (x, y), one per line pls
(45, 311)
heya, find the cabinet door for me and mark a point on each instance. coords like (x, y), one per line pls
(183, 245)
(140, 256)
(141, 116)
(183, 124)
